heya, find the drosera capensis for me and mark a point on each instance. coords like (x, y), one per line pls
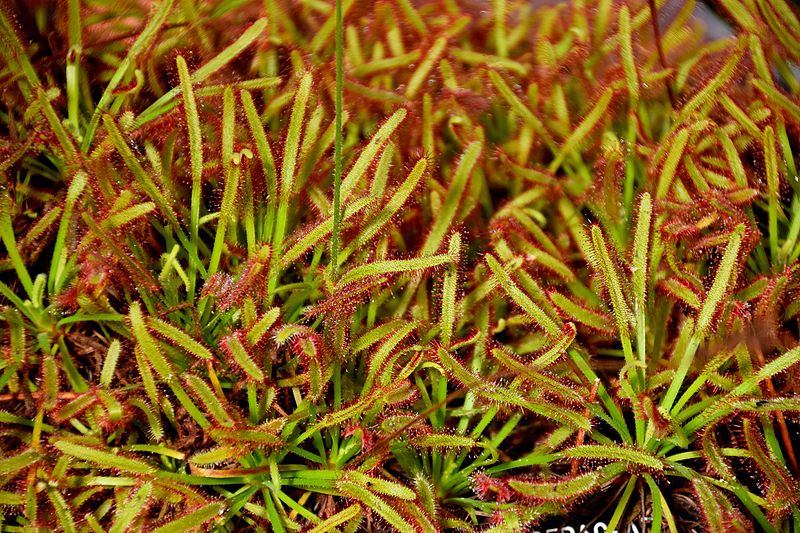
(413, 266)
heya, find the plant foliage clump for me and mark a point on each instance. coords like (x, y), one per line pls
(419, 266)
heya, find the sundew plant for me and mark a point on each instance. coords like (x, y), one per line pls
(399, 265)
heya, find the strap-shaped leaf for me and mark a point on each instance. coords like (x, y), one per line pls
(195, 143)
(247, 38)
(315, 236)
(103, 458)
(533, 311)
(613, 284)
(778, 98)
(588, 317)
(241, 357)
(58, 265)
(451, 202)
(127, 513)
(215, 455)
(148, 344)
(521, 109)
(540, 381)
(674, 157)
(681, 291)
(142, 177)
(377, 504)
(628, 60)
(267, 159)
(449, 287)
(179, 338)
(505, 396)
(395, 203)
(151, 350)
(568, 489)
(260, 328)
(782, 487)
(614, 453)
(192, 520)
(425, 66)
(263, 436)
(209, 399)
(381, 486)
(722, 281)
(381, 355)
(15, 463)
(394, 266)
(583, 129)
(705, 94)
(329, 524)
(443, 440)
(231, 171)
(369, 153)
(773, 199)
(142, 42)
(63, 512)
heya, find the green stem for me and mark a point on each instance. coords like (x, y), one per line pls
(337, 150)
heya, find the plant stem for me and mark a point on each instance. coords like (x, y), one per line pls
(337, 149)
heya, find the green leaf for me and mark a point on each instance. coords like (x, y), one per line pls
(777, 365)
(329, 524)
(449, 288)
(10, 465)
(60, 252)
(569, 489)
(521, 109)
(382, 355)
(583, 129)
(110, 363)
(142, 177)
(628, 59)
(369, 153)
(533, 311)
(381, 486)
(131, 509)
(103, 458)
(705, 94)
(613, 284)
(395, 203)
(247, 38)
(263, 325)
(380, 506)
(209, 399)
(778, 98)
(722, 281)
(262, 436)
(192, 520)
(149, 347)
(267, 159)
(424, 67)
(393, 266)
(614, 453)
(581, 314)
(443, 440)
(242, 358)
(447, 213)
(215, 455)
(179, 338)
(667, 174)
(315, 236)
(231, 171)
(195, 144)
(63, 511)
(771, 165)
(142, 43)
